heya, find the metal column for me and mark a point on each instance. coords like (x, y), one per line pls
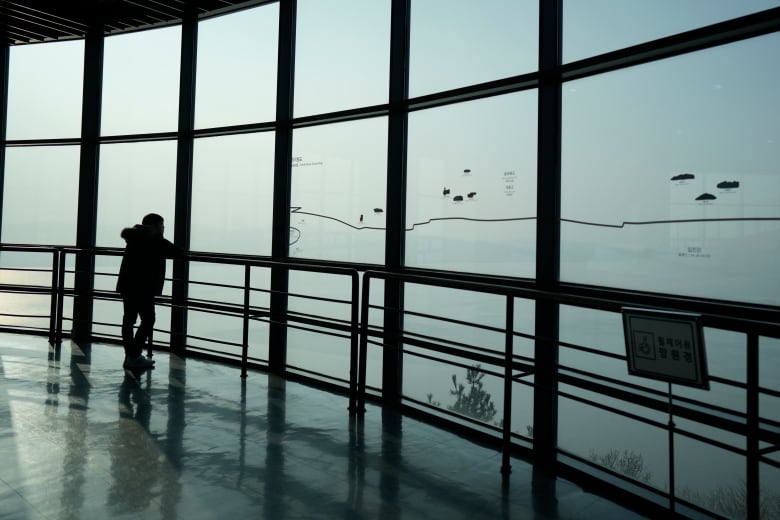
(88, 183)
(181, 234)
(548, 234)
(392, 359)
(280, 246)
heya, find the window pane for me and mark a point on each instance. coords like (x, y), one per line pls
(343, 63)
(338, 191)
(630, 447)
(36, 109)
(232, 194)
(669, 176)
(593, 27)
(135, 179)
(454, 43)
(236, 72)
(40, 195)
(471, 194)
(141, 82)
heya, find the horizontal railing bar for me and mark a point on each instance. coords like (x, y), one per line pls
(495, 360)
(454, 414)
(591, 350)
(26, 269)
(433, 340)
(452, 320)
(657, 393)
(612, 409)
(452, 363)
(318, 374)
(12, 315)
(211, 340)
(715, 314)
(26, 289)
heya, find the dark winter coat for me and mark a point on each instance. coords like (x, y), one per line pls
(143, 265)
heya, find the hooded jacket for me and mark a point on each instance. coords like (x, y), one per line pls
(143, 265)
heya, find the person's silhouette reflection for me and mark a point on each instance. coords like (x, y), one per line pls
(134, 455)
(74, 462)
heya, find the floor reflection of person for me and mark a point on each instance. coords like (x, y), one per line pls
(134, 455)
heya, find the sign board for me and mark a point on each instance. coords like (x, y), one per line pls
(668, 346)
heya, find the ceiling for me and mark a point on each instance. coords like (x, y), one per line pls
(34, 21)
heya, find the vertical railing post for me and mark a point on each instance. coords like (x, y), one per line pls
(363, 355)
(671, 425)
(55, 266)
(245, 334)
(353, 342)
(506, 444)
(60, 297)
(753, 469)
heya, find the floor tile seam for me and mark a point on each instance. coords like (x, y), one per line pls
(21, 495)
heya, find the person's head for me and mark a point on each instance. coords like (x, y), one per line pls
(154, 221)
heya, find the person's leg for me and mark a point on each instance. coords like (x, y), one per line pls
(146, 312)
(130, 306)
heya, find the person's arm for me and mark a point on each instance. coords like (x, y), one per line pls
(171, 250)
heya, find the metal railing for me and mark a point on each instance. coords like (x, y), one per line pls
(629, 399)
(761, 434)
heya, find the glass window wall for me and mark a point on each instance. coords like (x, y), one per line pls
(592, 27)
(236, 71)
(669, 175)
(44, 90)
(232, 194)
(471, 190)
(40, 195)
(343, 63)
(338, 191)
(456, 43)
(141, 82)
(135, 179)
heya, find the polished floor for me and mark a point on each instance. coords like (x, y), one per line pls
(82, 439)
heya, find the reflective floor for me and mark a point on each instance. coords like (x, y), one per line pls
(82, 439)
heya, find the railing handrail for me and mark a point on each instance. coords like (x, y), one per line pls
(762, 327)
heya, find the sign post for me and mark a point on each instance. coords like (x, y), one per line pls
(667, 346)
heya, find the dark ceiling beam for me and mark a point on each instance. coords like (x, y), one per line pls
(39, 31)
(27, 34)
(52, 20)
(35, 16)
(167, 10)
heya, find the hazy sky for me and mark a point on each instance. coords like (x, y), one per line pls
(625, 134)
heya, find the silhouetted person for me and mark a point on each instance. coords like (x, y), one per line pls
(141, 278)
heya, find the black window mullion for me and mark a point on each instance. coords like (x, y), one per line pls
(88, 183)
(280, 241)
(548, 233)
(398, 119)
(183, 204)
(4, 61)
